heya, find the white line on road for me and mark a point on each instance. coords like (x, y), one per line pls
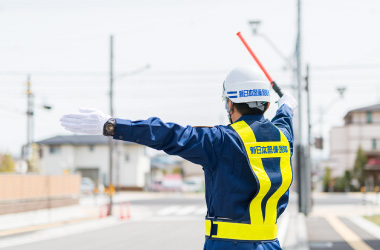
(185, 210)
(201, 211)
(59, 232)
(366, 225)
(168, 210)
(347, 234)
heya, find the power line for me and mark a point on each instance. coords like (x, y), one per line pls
(347, 66)
(105, 74)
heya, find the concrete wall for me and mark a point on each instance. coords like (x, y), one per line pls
(18, 187)
(19, 193)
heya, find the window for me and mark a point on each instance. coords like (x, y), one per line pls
(369, 117)
(54, 150)
(349, 119)
(374, 144)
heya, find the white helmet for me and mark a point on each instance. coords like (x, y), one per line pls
(247, 84)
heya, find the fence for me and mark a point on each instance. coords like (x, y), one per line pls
(19, 193)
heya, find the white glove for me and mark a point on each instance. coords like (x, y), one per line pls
(288, 100)
(87, 121)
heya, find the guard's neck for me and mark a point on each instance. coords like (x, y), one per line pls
(235, 116)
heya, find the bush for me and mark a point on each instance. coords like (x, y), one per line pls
(6, 163)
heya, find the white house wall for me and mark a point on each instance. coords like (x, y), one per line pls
(345, 141)
(57, 163)
(132, 172)
(362, 117)
(71, 157)
(143, 167)
(127, 170)
(98, 158)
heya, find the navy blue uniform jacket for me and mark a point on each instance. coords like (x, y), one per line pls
(230, 184)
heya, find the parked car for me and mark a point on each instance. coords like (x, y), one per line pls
(87, 185)
(192, 185)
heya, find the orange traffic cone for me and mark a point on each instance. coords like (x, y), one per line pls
(128, 210)
(125, 212)
(103, 211)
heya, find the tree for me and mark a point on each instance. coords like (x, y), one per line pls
(360, 161)
(339, 184)
(327, 179)
(347, 180)
(6, 163)
(343, 183)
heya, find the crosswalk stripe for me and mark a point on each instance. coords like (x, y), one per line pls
(366, 225)
(185, 210)
(201, 211)
(168, 210)
(182, 210)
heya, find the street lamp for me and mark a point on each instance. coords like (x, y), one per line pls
(255, 26)
(341, 91)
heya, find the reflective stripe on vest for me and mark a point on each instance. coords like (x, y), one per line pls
(258, 228)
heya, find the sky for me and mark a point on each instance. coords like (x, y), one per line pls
(190, 47)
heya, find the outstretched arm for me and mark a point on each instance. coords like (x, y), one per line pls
(194, 144)
(197, 145)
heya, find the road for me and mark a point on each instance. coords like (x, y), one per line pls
(160, 223)
(336, 223)
(177, 223)
(165, 223)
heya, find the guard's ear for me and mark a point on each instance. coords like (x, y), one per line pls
(230, 106)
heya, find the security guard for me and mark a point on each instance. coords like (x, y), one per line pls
(247, 164)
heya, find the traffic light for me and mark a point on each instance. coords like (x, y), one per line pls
(318, 142)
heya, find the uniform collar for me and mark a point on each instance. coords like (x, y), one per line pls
(251, 118)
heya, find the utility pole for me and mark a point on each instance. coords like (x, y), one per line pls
(308, 163)
(299, 148)
(30, 123)
(110, 140)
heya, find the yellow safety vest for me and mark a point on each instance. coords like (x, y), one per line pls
(258, 228)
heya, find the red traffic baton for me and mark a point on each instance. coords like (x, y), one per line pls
(275, 87)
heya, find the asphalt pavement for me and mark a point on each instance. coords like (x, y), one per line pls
(159, 223)
(164, 223)
(177, 222)
(337, 223)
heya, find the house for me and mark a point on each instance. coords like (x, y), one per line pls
(89, 156)
(372, 169)
(174, 173)
(361, 128)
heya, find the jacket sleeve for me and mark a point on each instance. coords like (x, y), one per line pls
(198, 145)
(283, 121)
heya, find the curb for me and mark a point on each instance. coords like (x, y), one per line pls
(43, 226)
(296, 237)
(39, 217)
